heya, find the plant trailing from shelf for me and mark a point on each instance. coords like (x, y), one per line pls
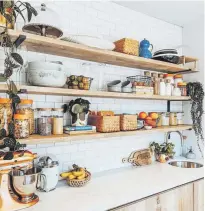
(196, 92)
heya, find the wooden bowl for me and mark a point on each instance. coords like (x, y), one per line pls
(79, 183)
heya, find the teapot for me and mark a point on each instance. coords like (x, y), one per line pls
(144, 49)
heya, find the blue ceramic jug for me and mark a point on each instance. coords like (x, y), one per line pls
(144, 49)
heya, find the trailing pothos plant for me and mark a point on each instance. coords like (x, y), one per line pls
(196, 92)
(13, 61)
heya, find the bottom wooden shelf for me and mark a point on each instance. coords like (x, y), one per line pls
(37, 139)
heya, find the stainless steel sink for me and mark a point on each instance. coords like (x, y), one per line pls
(185, 164)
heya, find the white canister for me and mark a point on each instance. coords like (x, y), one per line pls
(168, 87)
(165, 119)
(162, 87)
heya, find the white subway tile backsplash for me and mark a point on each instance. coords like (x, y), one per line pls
(112, 22)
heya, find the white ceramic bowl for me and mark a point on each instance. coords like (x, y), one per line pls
(46, 74)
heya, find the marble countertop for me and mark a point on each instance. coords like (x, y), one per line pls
(117, 187)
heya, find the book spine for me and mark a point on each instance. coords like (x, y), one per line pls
(80, 128)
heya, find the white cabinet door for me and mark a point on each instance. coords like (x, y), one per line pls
(199, 195)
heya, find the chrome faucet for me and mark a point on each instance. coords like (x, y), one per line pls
(181, 137)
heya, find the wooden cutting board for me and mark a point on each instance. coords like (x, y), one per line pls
(139, 158)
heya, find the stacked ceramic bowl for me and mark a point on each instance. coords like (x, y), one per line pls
(167, 55)
(118, 86)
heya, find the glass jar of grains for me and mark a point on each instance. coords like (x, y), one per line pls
(25, 107)
(44, 121)
(173, 119)
(180, 116)
(165, 119)
(21, 124)
(5, 113)
(57, 121)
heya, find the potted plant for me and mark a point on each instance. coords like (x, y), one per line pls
(162, 152)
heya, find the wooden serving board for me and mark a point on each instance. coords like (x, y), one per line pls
(139, 158)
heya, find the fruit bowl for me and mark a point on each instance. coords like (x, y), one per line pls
(79, 182)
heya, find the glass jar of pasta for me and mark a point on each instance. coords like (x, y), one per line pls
(57, 121)
(25, 107)
(5, 113)
(21, 124)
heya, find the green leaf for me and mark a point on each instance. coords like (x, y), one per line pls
(13, 87)
(17, 57)
(29, 14)
(2, 78)
(19, 12)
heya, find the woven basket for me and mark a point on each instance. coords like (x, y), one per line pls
(79, 183)
(105, 124)
(127, 46)
(128, 122)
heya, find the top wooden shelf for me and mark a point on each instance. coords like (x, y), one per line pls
(58, 47)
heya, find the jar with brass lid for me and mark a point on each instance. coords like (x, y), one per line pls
(25, 107)
(21, 124)
(178, 79)
(173, 119)
(182, 87)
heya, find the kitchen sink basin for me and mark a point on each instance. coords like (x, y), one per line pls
(185, 164)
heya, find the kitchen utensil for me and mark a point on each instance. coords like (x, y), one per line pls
(145, 50)
(46, 74)
(91, 41)
(139, 158)
(165, 51)
(46, 23)
(18, 181)
(126, 87)
(114, 86)
(171, 58)
(48, 178)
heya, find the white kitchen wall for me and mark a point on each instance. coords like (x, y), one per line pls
(112, 22)
(193, 42)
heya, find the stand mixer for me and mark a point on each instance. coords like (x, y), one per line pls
(18, 180)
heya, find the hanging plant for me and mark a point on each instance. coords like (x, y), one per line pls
(13, 61)
(196, 92)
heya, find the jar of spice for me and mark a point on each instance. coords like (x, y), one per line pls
(21, 124)
(168, 87)
(165, 119)
(170, 77)
(182, 87)
(156, 85)
(44, 121)
(57, 121)
(25, 107)
(159, 119)
(177, 79)
(176, 91)
(162, 87)
(173, 119)
(5, 113)
(160, 75)
(180, 116)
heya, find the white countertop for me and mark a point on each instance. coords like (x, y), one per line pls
(114, 188)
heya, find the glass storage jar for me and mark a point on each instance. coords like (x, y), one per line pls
(173, 119)
(177, 79)
(21, 124)
(159, 119)
(170, 77)
(25, 107)
(5, 113)
(44, 121)
(57, 121)
(180, 116)
(165, 119)
(182, 87)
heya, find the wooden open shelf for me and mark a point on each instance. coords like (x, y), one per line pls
(58, 47)
(37, 139)
(85, 93)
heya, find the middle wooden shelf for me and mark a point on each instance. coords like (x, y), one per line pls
(37, 139)
(88, 93)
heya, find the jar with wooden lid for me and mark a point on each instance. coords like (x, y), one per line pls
(5, 113)
(21, 124)
(57, 121)
(160, 75)
(169, 76)
(178, 79)
(44, 121)
(156, 86)
(173, 119)
(183, 89)
(25, 107)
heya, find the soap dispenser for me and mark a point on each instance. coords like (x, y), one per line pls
(190, 154)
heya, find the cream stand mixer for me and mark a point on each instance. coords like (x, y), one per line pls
(18, 180)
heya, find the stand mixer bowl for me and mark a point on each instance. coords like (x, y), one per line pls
(24, 182)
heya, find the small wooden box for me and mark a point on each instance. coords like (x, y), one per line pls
(143, 90)
(105, 124)
(127, 46)
(128, 122)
